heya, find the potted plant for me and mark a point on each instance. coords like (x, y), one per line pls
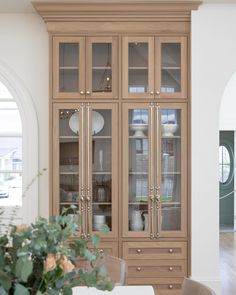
(41, 258)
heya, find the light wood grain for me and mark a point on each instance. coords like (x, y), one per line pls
(228, 263)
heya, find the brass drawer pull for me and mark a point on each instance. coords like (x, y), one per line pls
(170, 287)
(138, 268)
(138, 250)
(170, 250)
(170, 268)
(101, 251)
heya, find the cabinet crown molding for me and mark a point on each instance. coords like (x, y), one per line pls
(116, 11)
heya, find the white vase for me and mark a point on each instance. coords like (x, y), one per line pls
(136, 222)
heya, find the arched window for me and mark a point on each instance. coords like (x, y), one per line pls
(10, 150)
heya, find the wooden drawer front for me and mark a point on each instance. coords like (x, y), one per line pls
(168, 289)
(162, 286)
(156, 268)
(110, 248)
(155, 250)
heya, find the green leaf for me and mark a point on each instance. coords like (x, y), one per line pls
(105, 229)
(24, 268)
(53, 292)
(5, 280)
(2, 291)
(21, 290)
(95, 239)
(89, 255)
(102, 271)
(67, 291)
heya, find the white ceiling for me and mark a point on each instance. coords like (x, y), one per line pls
(25, 6)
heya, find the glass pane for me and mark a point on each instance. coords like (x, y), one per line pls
(170, 67)
(69, 67)
(138, 67)
(101, 168)
(102, 67)
(10, 153)
(138, 170)
(226, 157)
(4, 92)
(69, 157)
(171, 169)
(11, 189)
(10, 120)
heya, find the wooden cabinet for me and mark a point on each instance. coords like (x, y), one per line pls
(154, 67)
(85, 163)
(85, 67)
(124, 162)
(154, 170)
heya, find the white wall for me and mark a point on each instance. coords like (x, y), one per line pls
(24, 47)
(228, 106)
(24, 51)
(213, 63)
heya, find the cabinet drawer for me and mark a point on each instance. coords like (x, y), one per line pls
(155, 250)
(110, 248)
(156, 268)
(161, 286)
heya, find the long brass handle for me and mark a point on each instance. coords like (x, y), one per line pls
(88, 189)
(151, 176)
(158, 169)
(82, 184)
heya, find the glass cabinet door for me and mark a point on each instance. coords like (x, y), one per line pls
(102, 164)
(137, 141)
(171, 67)
(101, 67)
(68, 67)
(68, 162)
(138, 67)
(172, 193)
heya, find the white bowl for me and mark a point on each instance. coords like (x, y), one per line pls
(169, 129)
(99, 219)
(138, 128)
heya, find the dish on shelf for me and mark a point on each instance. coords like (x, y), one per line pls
(138, 129)
(97, 122)
(169, 129)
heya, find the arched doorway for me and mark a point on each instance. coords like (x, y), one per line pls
(227, 157)
(22, 99)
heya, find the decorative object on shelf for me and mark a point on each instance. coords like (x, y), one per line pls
(37, 258)
(167, 188)
(169, 129)
(101, 194)
(136, 221)
(97, 122)
(99, 221)
(101, 160)
(138, 129)
(106, 78)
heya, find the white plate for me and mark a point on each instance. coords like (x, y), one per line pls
(97, 122)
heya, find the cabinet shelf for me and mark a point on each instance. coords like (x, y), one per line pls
(68, 68)
(171, 68)
(137, 68)
(101, 173)
(68, 203)
(68, 173)
(138, 137)
(170, 173)
(102, 203)
(164, 203)
(139, 203)
(101, 68)
(101, 137)
(138, 173)
(68, 137)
